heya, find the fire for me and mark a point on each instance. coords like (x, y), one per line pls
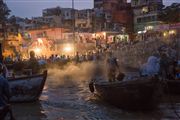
(40, 41)
(37, 50)
(68, 48)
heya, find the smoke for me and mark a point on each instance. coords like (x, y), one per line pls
(72, 73)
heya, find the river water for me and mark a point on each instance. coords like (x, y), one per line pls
(68, 98)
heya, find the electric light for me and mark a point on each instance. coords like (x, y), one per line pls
(68, 48)
(93, 35)
(139, 32)
(104, 33)
(165, 34)
(172, 32)
(37, 50)
(40, 41)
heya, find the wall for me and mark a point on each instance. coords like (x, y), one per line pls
(52, 33)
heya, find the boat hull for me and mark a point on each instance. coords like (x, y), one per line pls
(172, 87)
(130, 95)
(27, 89)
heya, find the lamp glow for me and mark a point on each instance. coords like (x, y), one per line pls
(40, 41)
(37, 50)
(68, 48)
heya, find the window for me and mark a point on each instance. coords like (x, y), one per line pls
(149, 19)
(12, 30)
(136, 2)
(139, 20)
(145, 10)
(153, 18)
(84, 25)
(145, 19)
(67, 14)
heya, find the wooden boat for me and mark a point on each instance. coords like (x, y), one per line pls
(138, 94)
(3, 112)
(6, 112)
(27, 89)
(172, 87)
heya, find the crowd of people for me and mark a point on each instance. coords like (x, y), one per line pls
(163, 63)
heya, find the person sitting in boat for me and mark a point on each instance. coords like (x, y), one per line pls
(112, 66)
(151, 68)
(164, 65)
(18, 66)
(4, 95)
(33, 63)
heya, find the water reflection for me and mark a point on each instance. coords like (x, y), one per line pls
(70, 99)
(29, 111)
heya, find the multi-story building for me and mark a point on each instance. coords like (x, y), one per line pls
(50, 39)
(68, 17)
(108, 4)
(83, 21)
(146, 13)
(61, 15)
(79, 20)
(123, 18)
(116, 15)
(98, 20)
(50, 21)
(52, 11)
(12, 41)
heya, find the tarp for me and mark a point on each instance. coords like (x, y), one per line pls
(151, 67)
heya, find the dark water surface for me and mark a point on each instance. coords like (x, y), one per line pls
(67, 99)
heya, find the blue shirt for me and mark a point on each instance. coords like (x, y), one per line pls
(4, 91)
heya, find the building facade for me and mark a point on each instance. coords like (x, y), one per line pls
(116, 15)
(83, 21)
(146, 14)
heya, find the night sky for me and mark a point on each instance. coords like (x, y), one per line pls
(30, 8)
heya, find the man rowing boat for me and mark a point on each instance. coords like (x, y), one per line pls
(112, 66)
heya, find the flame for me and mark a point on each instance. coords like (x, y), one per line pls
(40, 41)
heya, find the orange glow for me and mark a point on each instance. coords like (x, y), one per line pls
(172, 32)
(165, 34)
(40, 41)
(104, 33)
(68, 48)
(37, 50)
